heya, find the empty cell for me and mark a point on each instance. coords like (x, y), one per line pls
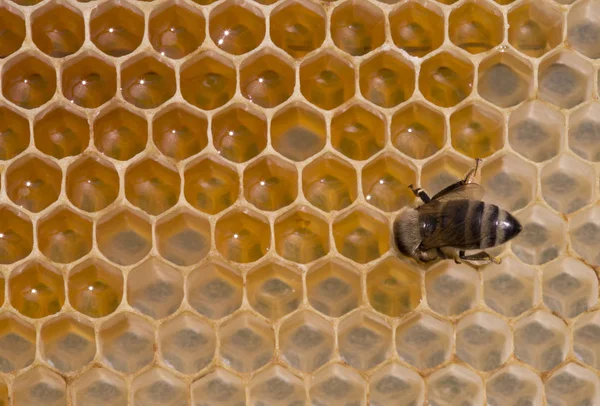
(147, 82)
(452, 288)
(566, 184)
(477, 130)
(88, 80)
(513, 384)
(361, 235)
(333, 287)
(326, 80)
(276, 386)
(364, 340)
(583, 28)
(586, 333)
(301, 235)
(239, 133)
(15, 132)
(418, 131)
(565, 79)
(358, 131)
(28, 80)
(13, 35)
(267, 79)
(17, 343)
(505, 79)
(152, 186)
(36, 289)
(58, 29)
(67, 344)
(329, 183)
(543, 237)
(92, 183)
(179, 132)
(396, 384)
(97, 386)
(584, 132)
(116, 28)
(274, 290)
(394, 287)
(483, 340)
(214, 289)
(270, 183)
(509, 182)
(417, 28)
(176, 29)
(210, 185)
(183, 237)
(220, 387)
(298, 27)
(357, 27)
(242, 236)
(337, 384)
(39, 386)
(455, 385)
(298, 131)
(424, 341)
(156, 387)
(124, 237)
(236, 27)
(95, 288)
(61, 132)
(584, 229)
(387, 79)
(534, 27)
(574, 384)
(446, 79)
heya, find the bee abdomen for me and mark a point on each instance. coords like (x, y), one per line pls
(489, 225)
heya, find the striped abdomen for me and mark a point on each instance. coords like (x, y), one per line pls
(465, 224)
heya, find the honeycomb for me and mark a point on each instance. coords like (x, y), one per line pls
(196, 200)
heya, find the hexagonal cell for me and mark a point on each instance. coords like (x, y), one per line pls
(424, 341)
(358, 132)
(301, 235)
(483, 340)
(116, 28)
(476, 26)
(326, 80)
(337, 384)
(394, 287)
(586, 331)
(535, 28)
(385, 183)
(276, 386)
(452, 288)
(40, 386)
(477, 130)
(219, 388)
(509, 182)
(573, 384)
(274, 290)
(364, 340)
(536, 131)
(88, 80)
(514, 384)
(58, 29)
(158, 387)
(267, 79)
(36, 290)
(566, 184)
(126, 342)
(583, 24)
(67, 344)
(417, 28)
(242, 236)
(298, 131)
(584, 230)
(179, 132)
(395, 384)
(444, 170)
(60, 132)
(33, 182)
(298, 27)
(210, 185)
(95, 288)
(183, 238)
(236, 27)
(119, 133)
(361, 235)
(455, 385)
(333, 288)
(13, 36)
(98, 386)
(187, 343)
(208, 81)
(541, 340)
(584, 132)
(124, 237)
(418, 131)
(92, 183)
(14, 129)
(570, 287)
(247, 342)
(564, 79)
(505, 79)
(357, 27)
(64, 236)
(214, 290)
(387, 79)
(239, 133)
(146, 82)
(543, 237)
(270, 183)
(446, 79)
(16, 235)
(152, 186)
(17, 343)
(176, 29)
(329, 183)
(306, 341)
(28, 80)
(155, 288)
(510, 288)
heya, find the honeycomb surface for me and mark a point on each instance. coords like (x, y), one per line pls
(196, 202)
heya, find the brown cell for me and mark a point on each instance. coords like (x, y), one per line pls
(92, 183)
(211, 185)
(417, 28)
(61, 132)
(236, 27)
(64, 236)
(15, 133)
(28, 80)
(36, 289)
(146, 82)
(33, 183)
(119, 133)
(58, 29)
(88, 80)
(153, 186)
(267, 79)
(16, 237)
(208, 81)
(357, 27)
(13, 34)
(176, 29)
(116, 27)
(239, 132)
(179, 132)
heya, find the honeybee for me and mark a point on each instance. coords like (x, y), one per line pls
(453, 221)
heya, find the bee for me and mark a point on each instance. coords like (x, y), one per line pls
(453, 221)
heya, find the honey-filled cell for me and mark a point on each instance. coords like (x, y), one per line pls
(446, 79)
(417, 28)
(89, 81)
(476, 26)
(116, 28)
(61, 132)
(298, 27)
(92, 183)
(298, 131)
(13, 34)
(535, 27)
(58, 29)
(270, 183)
(329, 183)
(385, 182)
(327, 80)
(236, 27)
(358, 132)
(33, 182)
(239, 132)
(179, 132)
(120, 133)
(267, 79)
(15, 133)
(357, 27)
(242, 236)
(36, 289)
(95, 288)
(147, 82)
(418, 131)
(387, 79)
(210, 185)
(28, 80)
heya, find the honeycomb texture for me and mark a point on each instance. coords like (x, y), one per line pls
(196, 200)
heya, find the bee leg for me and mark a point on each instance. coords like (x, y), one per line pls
(479, 256)
(470, 176)
(420, 193)
(427, 256)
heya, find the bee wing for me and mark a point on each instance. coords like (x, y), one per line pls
(459, 190)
